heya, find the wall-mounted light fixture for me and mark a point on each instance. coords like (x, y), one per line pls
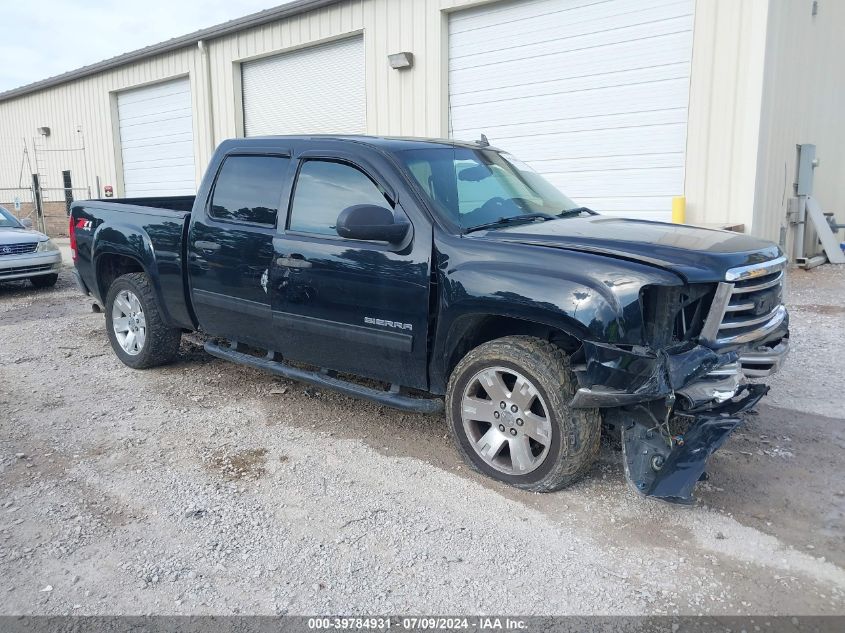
(400, 61)
(44, 131)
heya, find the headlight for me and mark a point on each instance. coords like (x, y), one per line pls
(46, 246)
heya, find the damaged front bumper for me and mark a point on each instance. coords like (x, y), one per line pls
(666, 466)
(650, 394)
(614, 376)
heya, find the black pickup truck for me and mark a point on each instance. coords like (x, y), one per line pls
(405, 270)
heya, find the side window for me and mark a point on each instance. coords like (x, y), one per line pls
(249, 189)
(324, 189)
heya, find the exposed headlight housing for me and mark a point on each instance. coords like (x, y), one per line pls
(672, 314)
(46, 246)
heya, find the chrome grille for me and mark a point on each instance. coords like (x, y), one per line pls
(746, 308)
(18, 249)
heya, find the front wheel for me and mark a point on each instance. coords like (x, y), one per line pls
(508, 410)
(136, 330)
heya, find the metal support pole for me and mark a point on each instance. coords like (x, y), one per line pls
(39, 204)
(798, 245)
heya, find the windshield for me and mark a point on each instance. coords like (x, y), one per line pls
(474, 187)
(7, 220)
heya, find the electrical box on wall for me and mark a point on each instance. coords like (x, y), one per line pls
(807, 162)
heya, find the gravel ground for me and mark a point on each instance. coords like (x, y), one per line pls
(208, 488)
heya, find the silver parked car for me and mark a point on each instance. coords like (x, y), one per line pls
(26, 253)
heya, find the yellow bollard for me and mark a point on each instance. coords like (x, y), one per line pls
(679, 209)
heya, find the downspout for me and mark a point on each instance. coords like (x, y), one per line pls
(209, 104)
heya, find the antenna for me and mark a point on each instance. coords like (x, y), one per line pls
(483, 142)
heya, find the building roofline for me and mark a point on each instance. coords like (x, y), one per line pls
(238, 24)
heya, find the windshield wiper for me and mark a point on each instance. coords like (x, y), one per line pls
(515, 219)
(568, 213)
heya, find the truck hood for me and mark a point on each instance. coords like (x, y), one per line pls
(697, 254)
(15, 235)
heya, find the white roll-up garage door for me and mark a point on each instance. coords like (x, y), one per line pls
(592, 94)
(316, 90)
(157, 140)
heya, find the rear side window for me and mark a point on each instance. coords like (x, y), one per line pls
(249, 189)
(324, 189)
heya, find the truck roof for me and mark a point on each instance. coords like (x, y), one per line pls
(389, 143)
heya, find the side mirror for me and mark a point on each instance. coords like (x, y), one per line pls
(27, 223)
(370, 222)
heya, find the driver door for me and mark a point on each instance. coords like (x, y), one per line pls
(349, 305)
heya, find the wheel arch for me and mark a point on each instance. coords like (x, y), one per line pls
(110, 264)
(471, 330)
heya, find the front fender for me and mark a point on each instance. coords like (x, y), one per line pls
(589, 297)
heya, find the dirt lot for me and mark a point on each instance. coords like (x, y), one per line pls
(209, 488)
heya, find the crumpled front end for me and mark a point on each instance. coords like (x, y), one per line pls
(667, 458)
(676, 400)
(614, 375)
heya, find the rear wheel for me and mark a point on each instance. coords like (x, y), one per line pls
(508, 409)
(136, 330)
(44, 281)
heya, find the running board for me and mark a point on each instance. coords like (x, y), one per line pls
(392, 398)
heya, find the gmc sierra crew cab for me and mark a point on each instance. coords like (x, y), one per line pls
(434, 275)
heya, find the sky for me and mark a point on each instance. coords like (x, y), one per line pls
(42, 38)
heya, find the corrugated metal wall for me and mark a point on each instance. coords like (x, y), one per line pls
(398, 102)
(726, 143)
(803, 102)
(87, 104)
(729, 42)
(406, 103)
(766, 76)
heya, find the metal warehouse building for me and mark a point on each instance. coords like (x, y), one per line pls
(622, 103)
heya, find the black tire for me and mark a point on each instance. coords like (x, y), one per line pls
(44, 281)
(575, 433)
(161, 344)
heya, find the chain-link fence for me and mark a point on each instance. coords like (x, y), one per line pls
(47, 207)
(21, 202)
(36, 181)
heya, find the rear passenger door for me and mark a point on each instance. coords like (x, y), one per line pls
(230, 248)
(351, 305)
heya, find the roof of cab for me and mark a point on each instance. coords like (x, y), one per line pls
(389, 143)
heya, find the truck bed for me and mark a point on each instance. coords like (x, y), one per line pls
(151, 232)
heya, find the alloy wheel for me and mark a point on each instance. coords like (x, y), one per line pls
(128, 322)
(506, 420)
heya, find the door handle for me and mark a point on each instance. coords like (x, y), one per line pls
(207, 246)
(294, 261)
